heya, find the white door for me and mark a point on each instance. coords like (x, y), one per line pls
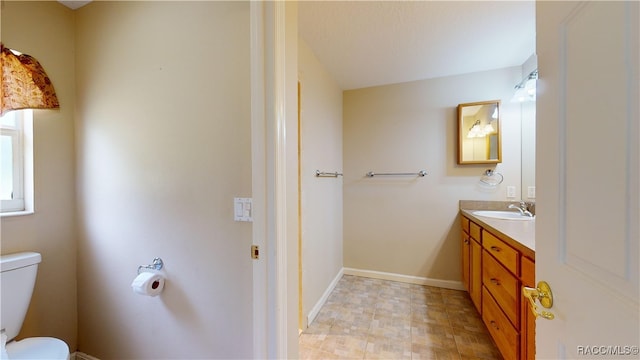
(587, 230)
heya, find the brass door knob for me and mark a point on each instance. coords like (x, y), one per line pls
(543, 294)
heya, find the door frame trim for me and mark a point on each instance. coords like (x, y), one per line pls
(273, 43)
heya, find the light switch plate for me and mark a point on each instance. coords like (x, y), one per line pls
(243, 209)
(511, 192)
(531, 192)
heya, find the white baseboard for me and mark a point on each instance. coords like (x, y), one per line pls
(82, 356)
(447, 284)
(323, 299)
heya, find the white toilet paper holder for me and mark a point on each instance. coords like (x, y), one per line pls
(157, 265)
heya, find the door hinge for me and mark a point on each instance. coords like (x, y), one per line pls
(255, 252)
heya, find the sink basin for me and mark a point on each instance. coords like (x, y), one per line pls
(504, 215)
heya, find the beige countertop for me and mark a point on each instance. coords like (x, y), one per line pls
(522, 234)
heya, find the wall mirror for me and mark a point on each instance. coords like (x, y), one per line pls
(479, 137)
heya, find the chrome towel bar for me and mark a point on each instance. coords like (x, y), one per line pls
(421, 173)
(327, 174)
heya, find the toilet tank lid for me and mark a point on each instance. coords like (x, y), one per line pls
(18, 260)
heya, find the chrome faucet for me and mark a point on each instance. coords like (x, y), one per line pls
(523, 207)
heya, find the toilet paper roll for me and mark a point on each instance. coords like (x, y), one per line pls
(148, 283)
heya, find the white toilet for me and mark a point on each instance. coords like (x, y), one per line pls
(17, 279)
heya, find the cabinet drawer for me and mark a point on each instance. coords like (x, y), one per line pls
(502, 285)
(474, 231)
(503, 333)
(465, 224)
(507, 255)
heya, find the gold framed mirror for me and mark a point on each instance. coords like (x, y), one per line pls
(479, 135)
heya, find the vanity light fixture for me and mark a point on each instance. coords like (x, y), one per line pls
(526, 89)
(488, 129)
(476, 130)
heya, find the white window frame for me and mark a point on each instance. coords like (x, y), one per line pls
(22, 141)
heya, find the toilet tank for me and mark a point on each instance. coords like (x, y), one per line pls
(17, 279)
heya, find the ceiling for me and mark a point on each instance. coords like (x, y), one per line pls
(369, 43)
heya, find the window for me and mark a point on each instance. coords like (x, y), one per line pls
(16, 162)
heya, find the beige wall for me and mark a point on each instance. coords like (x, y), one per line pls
(45, 30)
(409, 225)
(528, 135)
(321, 137)
(164, 132)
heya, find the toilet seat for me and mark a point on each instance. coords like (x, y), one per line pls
(38, 348)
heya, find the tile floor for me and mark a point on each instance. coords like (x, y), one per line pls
(377, 319)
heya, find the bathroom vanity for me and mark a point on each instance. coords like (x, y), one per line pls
(498, 259)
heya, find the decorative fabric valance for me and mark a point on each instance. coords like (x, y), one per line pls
(25, 84)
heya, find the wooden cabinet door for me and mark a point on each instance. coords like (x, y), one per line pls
(476, 274)
(528, 320)
(466, 261)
